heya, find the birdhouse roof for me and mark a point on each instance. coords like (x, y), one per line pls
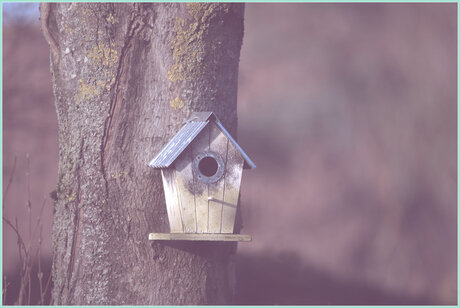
(194, 125)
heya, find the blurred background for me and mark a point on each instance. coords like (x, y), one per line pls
(349, 112)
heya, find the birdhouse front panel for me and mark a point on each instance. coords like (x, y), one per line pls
(207, 176)
(201, 167)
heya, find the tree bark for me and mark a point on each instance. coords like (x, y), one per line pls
(125, 78)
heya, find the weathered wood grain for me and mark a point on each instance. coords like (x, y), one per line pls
(218, 143)
(172, 200)
(200, 144)
(199, 237)
(184, 182)
(234, 168)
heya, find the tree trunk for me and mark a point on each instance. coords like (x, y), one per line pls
(125, 78)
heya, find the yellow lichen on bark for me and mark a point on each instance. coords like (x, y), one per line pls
(111, 19)
(72, 197)
(177, 103)
(68, 30)
(85, 92)
(103, 54)
(189, 45)
(119, 175)
(204, 12)
(104, 59)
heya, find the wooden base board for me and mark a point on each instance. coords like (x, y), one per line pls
(199, 237)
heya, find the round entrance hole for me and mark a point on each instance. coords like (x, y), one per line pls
(208, 166)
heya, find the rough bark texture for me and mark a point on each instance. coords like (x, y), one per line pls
(125, 78)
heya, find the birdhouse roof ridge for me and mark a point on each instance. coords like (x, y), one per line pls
(185, 136)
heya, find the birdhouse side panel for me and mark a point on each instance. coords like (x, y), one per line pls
(218, 144)
(233, 173)
(172, 201)
(199, 145)
(186, 190)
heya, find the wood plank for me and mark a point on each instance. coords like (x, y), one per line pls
(172, 200)
(199, 237)
(218, 143)
(234, 168)
(185, 188)
(200, 144)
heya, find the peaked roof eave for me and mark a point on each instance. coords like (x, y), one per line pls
(194, 125)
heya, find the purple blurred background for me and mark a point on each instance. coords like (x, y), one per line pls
(349, 112)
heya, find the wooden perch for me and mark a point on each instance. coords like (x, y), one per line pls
(199, 237)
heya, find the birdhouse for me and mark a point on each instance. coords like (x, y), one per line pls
(201, 168)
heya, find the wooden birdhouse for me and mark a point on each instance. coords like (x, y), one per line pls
(201, 167)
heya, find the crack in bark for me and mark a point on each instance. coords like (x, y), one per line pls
(78, 211)
(135, 26)
(72, 275)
